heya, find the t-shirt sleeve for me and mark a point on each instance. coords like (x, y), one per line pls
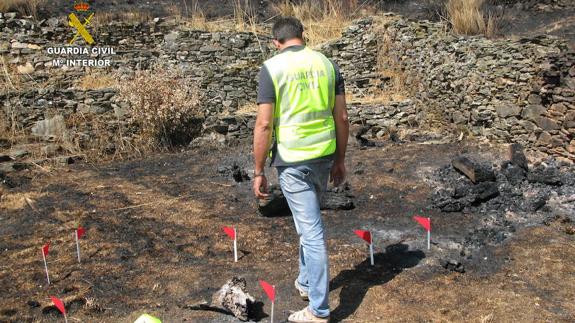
(266, 91)
(339, 81)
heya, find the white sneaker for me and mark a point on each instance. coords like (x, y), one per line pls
(306, 316)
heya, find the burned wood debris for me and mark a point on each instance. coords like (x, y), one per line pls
(232, 297)
(470, 185)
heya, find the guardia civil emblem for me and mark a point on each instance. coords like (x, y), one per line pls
(80, 21)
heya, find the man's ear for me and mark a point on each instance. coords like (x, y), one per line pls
(277, 44)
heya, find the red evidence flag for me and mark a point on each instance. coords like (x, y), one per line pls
(269, 289)
(59, 304)
(45, 249)
(230, 232)
(80, 232)
(425, 222)
(365, 235)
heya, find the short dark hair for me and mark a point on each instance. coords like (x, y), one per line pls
(286, 28)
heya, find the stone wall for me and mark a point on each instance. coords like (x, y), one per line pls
(506, 90)
(356, 54)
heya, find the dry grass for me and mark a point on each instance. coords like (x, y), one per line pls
(396, 88)
(248, 108)
(97, 81)
(467, 17)
(164, 104)
(325, 19)
(10, 79)
(132, 17)
(24, 7)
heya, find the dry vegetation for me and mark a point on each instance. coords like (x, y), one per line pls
(93, 81)
(132, 16)
(468, 17)
(164, 104)
(323, 20)
(24, 7)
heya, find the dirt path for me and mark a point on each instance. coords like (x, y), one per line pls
(154, 245)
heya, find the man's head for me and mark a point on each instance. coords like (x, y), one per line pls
(287, 30)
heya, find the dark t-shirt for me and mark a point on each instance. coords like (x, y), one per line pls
(267, 94)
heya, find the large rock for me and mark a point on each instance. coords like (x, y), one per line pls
(50, 128)
(533, 111)
(505, 111)
(547, 123)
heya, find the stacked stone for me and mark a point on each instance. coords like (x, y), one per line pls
(554, 96)
(381, 118)
(356, 54)
(509, 91)
(225, 64)
(487, 86)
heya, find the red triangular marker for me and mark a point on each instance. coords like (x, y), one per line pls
(230, 232)
(269, 289)
(80, 232)
(59, 304)
(425, 222)
(365, 235)
(45, 249)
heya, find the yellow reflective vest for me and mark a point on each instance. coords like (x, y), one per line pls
(304, 83)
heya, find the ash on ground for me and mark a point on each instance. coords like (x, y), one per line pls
(516, 195)
(235, 171)
(546, 188)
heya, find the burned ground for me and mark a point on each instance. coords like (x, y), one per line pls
(154, 243)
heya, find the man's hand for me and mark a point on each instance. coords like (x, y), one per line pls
(337, 175)
(261, 186)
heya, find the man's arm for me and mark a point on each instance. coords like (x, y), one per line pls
(341, 135)
(262, 141)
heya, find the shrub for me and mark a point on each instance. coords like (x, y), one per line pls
(323, 20)
(164, 104)
(467, 17)
(24, 7)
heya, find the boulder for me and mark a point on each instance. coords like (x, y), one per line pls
(50, 128)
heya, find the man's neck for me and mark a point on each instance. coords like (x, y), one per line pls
(291, 42)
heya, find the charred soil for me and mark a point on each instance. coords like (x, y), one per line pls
(154, 244)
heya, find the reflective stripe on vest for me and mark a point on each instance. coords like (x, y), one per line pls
(304, 83)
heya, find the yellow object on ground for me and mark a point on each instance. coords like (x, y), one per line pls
(146, 318)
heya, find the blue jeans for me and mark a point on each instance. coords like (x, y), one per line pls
(303, 186)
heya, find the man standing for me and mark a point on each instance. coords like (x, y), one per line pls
(301, 98)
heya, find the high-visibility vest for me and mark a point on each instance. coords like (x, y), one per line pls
(304, 83)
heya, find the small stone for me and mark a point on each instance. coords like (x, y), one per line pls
(505, 111)
(21, 153)
(533, 111)
(547, 124)
(28, 68)
(544, 138)
(18, 45)
(534, 99)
